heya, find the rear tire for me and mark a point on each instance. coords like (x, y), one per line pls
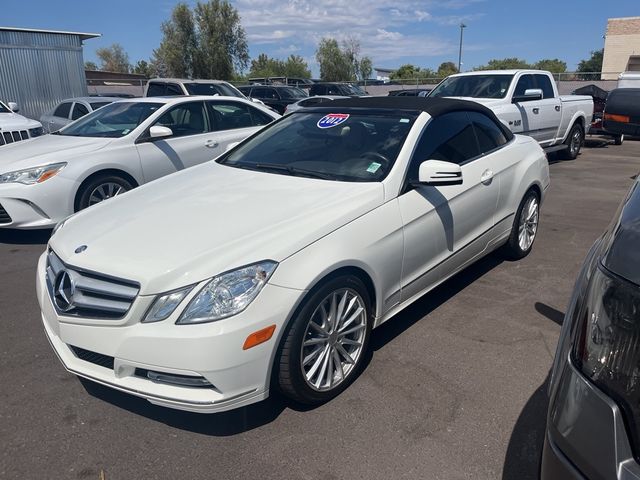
(101, 188)
(525, 227)
(573, 142)
(618, 139)
(323, 350)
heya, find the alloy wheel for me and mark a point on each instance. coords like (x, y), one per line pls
(528, 226)
(105, 191)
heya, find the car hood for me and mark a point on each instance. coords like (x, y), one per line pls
(46, 149)
(200, 222)
(13, 121)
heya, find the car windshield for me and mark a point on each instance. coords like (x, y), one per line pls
(113, 121)
(292, 92)
(355, 90)
(212, 89)
(97, 105)
(4, 108)
(476, 86)
(352, 147)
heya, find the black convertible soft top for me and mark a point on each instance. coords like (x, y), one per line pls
(435, 106)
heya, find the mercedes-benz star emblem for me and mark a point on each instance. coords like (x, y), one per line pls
(63, 291)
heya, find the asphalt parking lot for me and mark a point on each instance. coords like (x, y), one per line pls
(454, 387)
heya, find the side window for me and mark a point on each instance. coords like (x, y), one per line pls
(449, 137)
(271, 93)
(173, 89)
(490, 136)
(543, 82)
(156, 90)
(259, 93)
(185, 119)
(232, 115)
(526, 82)
(63, 110)
(311, 101)
(79, 111)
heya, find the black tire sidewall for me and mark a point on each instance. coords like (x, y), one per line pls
(295, 386)
(513, 245)
(85, 191)
(567, 153)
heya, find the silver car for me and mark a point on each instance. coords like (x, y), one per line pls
(72, 109)
(311, 102)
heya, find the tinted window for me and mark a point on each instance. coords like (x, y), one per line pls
(292, 92)
(543, 82)
(312, 101)
(525, 83)
(476, 86)
(79, 111)
(490, 136)
(156, 90)
(185, 119)
(212, 89)
(97, 105)
(449, 137)
(173, 89)
(114, 120)
(231, 115)
(245, 90)
(63, 110)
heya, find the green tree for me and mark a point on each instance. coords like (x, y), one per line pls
(412, 73)
(334, 64)
(206, 42)
(366, 68)
(592, 64)
(446, 68)
(113, 59)
(504, 64)
(552, 65)
(90, 66)
(296, 66)
(143, 67)
(179, 43)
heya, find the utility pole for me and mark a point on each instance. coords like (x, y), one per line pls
(462, 27)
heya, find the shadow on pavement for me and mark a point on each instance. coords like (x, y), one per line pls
(555, 315)
(522, 460)
(25, 237)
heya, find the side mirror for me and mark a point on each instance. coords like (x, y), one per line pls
(437, 172)
(13, 106)
(158, 131)
(231, 145)
(529, 94)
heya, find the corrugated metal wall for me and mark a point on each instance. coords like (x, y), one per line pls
(37, 70)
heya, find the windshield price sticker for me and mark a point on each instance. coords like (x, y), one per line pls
(373, 167)
(332, 120)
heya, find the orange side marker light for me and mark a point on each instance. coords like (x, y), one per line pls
(261, 336)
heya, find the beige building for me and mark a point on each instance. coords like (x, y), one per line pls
(621, 47)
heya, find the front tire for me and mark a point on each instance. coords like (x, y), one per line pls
(525, 227)
(101, 188)
(324, 349)
(574, 142)
(618, 139)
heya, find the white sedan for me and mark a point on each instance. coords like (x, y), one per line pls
(268, 268)
(114, 149)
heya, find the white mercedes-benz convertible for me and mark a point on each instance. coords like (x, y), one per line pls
(268, 268)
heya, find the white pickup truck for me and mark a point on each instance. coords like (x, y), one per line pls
(14, 127)
(527, 101)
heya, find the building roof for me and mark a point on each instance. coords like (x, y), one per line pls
(83, 36)
(384, 70)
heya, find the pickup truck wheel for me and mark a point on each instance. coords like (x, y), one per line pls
(574, 142)
(618, 139)
(102, 188)
(525, 227)
(324, 349)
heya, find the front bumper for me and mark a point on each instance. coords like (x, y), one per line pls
(212, 350)
(37, 206)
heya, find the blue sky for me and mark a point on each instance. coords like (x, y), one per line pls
(424, 33)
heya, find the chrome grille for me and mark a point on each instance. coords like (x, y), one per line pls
(78, 293)
(4, 216)
(10, 137)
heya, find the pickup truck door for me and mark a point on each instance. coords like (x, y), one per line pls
(549, 111)
(529, 109)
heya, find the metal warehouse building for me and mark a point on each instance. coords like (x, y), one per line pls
(38, 68)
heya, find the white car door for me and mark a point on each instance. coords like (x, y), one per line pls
(446, 226)
(540, 119)
(234, 121)
(59, 118)
(549, 113)
(192, 141)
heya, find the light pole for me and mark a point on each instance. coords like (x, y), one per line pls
(462, 27)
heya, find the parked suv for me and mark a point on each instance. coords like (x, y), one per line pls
(163, 87)
(274, 96)
(344, 89)
(72, 109)
(14, 127)
(622, 112)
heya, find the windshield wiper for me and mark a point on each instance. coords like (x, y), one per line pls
(294, 171)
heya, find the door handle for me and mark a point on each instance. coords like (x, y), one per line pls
(487, 177)
(557, 108)
(536, 110)
(211, 144)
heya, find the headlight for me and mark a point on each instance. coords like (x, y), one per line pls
(164, 305)
(36, 132)
(228, 294)
(32, 175)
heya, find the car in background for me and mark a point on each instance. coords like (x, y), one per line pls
(622, 112)
(168, 87)
(114, 149)
(269, 267)
(274, 96)
(311, 102)
(410, 92)
(15, 127)
(292, 81)
(72, 109)
(593, 420)
(335, 88)
(599, 101)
